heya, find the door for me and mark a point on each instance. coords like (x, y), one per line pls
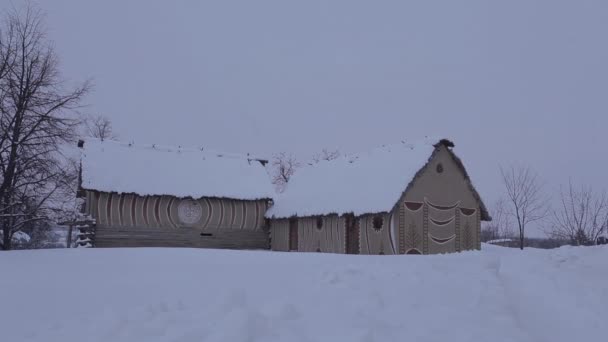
(293, 234)
(352, 234)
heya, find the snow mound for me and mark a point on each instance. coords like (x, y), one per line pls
(367, 183)
(191, 295)
(19, 237)
(111, 166)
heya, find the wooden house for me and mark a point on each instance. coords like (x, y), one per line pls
(156, 196)
(399, 199)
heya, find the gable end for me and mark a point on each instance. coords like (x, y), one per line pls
(446, 145)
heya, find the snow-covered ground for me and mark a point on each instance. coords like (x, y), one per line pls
(186, 295)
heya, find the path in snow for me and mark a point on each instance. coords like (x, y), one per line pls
(189, 295)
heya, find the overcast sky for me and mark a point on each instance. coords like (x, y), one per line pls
(518, 81)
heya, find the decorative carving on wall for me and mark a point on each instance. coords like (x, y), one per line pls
(442, 223)
(457, 231)
(467, 237)
(467, 212)
(413, 206)
(129, 210)
(425, 229)
(412, 240)
(441, 207)
(442, 241)
(189, 211)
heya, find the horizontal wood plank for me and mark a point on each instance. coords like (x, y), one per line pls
(186, 237)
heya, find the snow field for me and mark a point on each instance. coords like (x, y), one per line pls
(187, 295)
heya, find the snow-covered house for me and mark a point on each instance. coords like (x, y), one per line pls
(400, 199)
(159, 196)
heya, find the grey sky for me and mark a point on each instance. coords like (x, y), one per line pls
(509, 81)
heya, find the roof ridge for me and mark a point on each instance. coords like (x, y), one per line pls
(176, 149)
(354, 156)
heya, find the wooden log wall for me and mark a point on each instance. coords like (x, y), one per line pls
(412, 228)
(377, 239)
(128, 210)
(279, 235)
(322, 234)
(127, 220)
(187, 237)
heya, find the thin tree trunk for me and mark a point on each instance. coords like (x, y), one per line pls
(69, 237)
(6, 239)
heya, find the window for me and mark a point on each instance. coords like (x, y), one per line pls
(439, 168)
(377, 222)
(319, 223)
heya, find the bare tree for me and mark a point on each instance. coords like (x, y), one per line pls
(68, 207)
(326, 155)
(582, 217)
(37, 116)
(501, 225)
(285, 166)
(99, 127)
(524, 195)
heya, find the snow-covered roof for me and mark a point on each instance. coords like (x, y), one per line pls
(336, 186)
(368, 183)
(111, 166)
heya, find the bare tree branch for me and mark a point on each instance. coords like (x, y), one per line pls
(582, 217)
(285, 166)
(37, 116)
(99, 127)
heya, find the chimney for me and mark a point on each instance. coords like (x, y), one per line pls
(445, 142)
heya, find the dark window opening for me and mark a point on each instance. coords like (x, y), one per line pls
(319, 223)
(377, 222)
(439, 168)
(206, 234)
